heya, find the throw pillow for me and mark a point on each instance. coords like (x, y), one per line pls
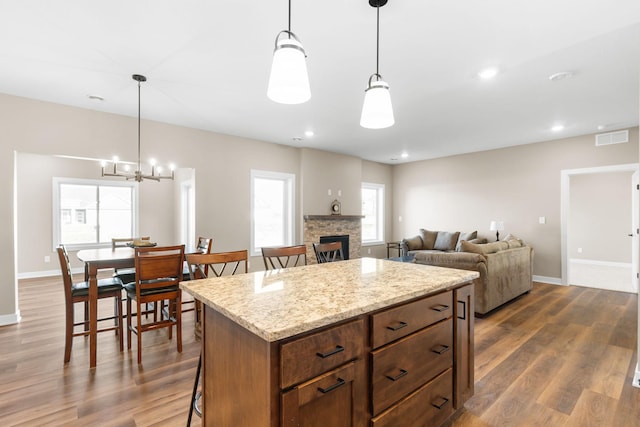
(467, 237)
(478, 240)
(446, 241)
(428, 238)
(414, 243)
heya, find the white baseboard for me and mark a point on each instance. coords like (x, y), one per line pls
(636, 377)
(10, 319)
(549, 280)
(47, 273)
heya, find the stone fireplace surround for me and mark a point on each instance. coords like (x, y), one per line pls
(328, 225)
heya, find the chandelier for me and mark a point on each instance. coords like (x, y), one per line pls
(137, 175)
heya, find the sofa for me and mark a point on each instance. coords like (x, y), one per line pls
(505, 268)
(437, 241)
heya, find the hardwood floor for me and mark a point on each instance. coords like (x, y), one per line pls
(560, 356)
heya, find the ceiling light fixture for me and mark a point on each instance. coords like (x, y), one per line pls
(557, 128)
(138, 175)
(488, 73)
(377, 111)
(289, 81)
(560, 76)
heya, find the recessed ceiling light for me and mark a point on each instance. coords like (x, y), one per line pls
(557, 128)
(562, 75)
(95, 97)
(309, 133)
(404, 155)
(488, 73)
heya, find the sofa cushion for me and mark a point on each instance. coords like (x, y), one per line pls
(486, 248)
(466, 236)
(446, 241)
(428, 238)
(414, 243)
(478, 240)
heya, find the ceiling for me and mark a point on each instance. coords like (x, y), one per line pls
(208, 62)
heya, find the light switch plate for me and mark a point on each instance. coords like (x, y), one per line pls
(542, 220)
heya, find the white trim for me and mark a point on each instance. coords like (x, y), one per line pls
(10, 319)
(549, 280)
(380, 217)
(636, 377)
(564, 205)
(47, 273)
(600, 263)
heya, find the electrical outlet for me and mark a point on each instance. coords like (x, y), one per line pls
(542, 220)
(369, 251)
(329, 192)
(400, 218)
(47, 258)
(579, 250)
(339, 193)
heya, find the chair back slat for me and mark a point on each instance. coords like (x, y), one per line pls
(284, 256)
(328, 252)
(206, 265)
(65, 268)
(158, 267)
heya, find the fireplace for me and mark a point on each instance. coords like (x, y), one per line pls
(318, 226)
(342, 238)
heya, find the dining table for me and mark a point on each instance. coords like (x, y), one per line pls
(95, 260)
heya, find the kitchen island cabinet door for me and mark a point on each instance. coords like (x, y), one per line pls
(331, 399)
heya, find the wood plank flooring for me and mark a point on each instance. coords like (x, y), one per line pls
(559, 356)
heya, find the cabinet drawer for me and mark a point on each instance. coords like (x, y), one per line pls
(430, 405)
(405, 365)
(389, 325)
(307, 357)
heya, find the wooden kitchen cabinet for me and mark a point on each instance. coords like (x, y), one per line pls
(464, 355)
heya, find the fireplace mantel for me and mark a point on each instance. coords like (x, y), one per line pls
(332, 217)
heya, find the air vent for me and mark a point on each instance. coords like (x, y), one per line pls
(610, 138)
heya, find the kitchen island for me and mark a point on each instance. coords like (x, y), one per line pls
(353, 343)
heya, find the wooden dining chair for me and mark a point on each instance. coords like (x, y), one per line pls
(328, 252)
(79, 292)
(202, 266)
(284, 256)
(203, 246)
(127, 275)
(158, 273)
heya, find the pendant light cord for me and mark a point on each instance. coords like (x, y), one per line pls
(289, 18)
(139, 165)
(377, 38)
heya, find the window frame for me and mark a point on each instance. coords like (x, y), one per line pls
(380, 217)
(56, 217)
(289, 180)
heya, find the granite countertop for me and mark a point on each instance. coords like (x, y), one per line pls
(277, 304)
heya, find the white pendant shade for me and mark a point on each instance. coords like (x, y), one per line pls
(377, 112)
(289, 81)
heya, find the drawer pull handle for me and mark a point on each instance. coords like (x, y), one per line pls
(441, 349)
(440, 404)
(440, 307)
(398, 327)
(332, 387)
(336, 350)
(397, 377)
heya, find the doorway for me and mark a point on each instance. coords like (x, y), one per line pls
(599, 227)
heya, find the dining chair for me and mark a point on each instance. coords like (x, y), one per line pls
(203, 246)
(284, 256)
(79, 292)
(158, 274)
(328, 252)
(127, 275)
(202, 266)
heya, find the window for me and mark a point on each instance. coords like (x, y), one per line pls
(271, 210)
(88, 213)
(373, 211)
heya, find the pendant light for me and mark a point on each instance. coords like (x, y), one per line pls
(377, 112)
(138, 175)
(289, 81)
